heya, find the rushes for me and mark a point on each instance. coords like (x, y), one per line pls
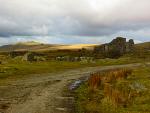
(118, 97)
(95, 80)
(117, 74)
(106, 81)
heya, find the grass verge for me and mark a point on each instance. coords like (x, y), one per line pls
(127, 95)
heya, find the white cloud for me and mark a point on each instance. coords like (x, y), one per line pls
(75, 18)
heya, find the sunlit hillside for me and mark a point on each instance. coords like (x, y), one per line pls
(36, 46)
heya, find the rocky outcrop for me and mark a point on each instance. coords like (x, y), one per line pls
(115, 48)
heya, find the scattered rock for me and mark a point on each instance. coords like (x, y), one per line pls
(61, 109)
(75, 59)
(31, 56)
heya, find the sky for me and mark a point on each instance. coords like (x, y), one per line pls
(73, 21)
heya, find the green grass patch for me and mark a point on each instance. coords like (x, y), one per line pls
(18, 68)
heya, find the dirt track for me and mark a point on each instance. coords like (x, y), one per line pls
(43, 93)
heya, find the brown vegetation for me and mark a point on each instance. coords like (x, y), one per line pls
(104, 80)
(95, 80)
(107, 77)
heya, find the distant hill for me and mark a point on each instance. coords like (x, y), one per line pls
(28, 43)
(142, 50)
(145, 45)
(36, 46)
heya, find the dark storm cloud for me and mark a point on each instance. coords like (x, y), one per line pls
(64, 18)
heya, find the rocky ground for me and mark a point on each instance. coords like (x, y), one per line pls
(44, 93)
